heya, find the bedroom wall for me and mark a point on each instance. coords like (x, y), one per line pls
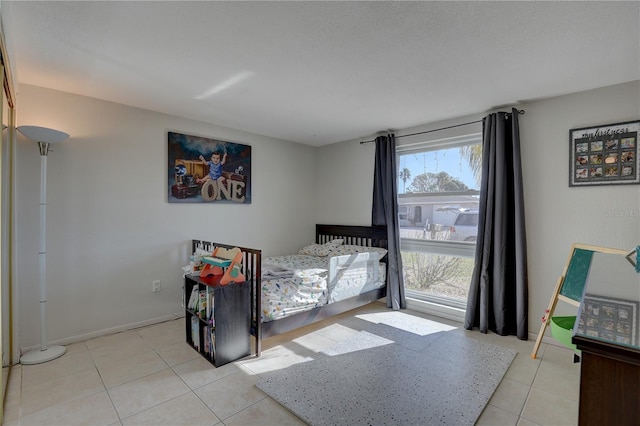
(556, 215)
(344, 175)
(111, 231)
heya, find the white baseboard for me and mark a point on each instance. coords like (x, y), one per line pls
(107, 331)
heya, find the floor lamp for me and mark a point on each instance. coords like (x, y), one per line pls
(44, 137)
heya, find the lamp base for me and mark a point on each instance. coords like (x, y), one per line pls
(37, 356)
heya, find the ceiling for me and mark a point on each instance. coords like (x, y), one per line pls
(321, 72)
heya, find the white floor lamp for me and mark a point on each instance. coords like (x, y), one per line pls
(44, 137)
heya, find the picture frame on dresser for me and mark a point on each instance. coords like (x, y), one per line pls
(609, 318)
(604, 155)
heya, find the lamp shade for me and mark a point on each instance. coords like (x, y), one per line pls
(43, 134)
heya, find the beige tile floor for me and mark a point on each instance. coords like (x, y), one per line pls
(149, 376)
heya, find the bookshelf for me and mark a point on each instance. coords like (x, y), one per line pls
(217, 326)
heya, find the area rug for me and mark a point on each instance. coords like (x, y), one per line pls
(387, 376)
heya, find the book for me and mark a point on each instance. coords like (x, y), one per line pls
(202, 304)
(210, 303)
(195, 333)
(193, 298)
(207, 340)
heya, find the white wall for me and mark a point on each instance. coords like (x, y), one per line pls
(556, 215)
(111, 230)
(344, 182)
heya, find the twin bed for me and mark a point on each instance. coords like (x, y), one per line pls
(345, 268)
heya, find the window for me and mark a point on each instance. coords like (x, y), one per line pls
(402, 212)
(438, 199)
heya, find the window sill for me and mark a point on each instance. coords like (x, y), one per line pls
(447, 312)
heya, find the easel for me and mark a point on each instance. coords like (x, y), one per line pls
(570, 285)
(225, 262)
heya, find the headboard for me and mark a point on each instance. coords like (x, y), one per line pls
(369, 236)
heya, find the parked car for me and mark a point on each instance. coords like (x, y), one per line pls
(465, 227)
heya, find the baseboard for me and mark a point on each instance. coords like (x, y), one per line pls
(107, 331)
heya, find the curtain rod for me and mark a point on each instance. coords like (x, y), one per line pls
(520, 112)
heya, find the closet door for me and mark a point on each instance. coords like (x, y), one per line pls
(5, 232)
(10, 351)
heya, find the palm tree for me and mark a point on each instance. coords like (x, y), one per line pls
(473, 155)
(405, 175)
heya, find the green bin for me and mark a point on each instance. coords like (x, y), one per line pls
(562, 331)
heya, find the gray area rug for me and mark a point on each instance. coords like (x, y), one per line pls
(388, 376)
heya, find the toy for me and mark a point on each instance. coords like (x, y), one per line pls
(225, 262)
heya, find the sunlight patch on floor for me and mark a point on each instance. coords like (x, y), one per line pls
(362, 341)
(273, 359)
(406, 322)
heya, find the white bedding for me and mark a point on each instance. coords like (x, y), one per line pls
(355, 274)
(291, 284)
(296, 283)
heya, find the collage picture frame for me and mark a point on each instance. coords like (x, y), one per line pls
(604, 155)
(610, 319)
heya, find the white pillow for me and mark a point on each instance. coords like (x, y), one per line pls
(320, 249)
(351, 249)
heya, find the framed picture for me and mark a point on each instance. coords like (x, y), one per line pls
(203, 170)
(604, 155)
(607, 318)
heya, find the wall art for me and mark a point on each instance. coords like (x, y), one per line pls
(602, 155)
(203, 170)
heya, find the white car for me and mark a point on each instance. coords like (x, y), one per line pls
(465, 227)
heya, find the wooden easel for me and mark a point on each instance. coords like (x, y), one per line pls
(570, 285)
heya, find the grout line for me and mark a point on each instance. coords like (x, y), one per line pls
(104, 385)
(526, 399)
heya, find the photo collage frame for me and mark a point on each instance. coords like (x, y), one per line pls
(605, 154)
(609, 319)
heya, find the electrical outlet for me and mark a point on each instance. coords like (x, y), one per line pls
(156, 286)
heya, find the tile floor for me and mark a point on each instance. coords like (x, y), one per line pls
(149, 376)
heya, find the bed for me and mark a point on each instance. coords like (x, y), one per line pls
(345, 268)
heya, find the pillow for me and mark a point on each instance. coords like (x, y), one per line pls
(320, 249)
(351, 249)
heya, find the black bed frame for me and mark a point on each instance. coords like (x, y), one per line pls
(370, 236)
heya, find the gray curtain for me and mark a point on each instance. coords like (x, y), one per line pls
(498, 296)
(385, 212)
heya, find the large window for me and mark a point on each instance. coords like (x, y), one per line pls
(438, 198)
